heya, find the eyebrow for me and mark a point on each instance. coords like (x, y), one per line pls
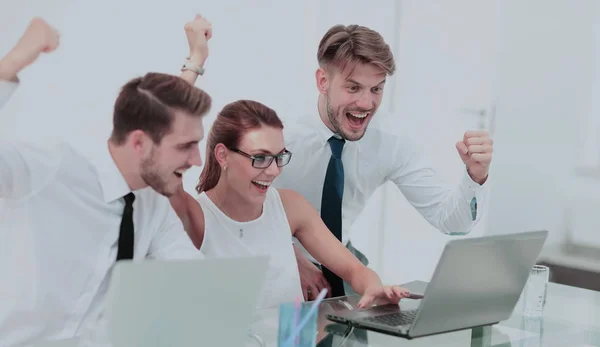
(265, 151)
(185, 144)
(353, 81)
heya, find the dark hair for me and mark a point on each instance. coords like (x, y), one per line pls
(148, 104)
(234, 120)
(343, 45)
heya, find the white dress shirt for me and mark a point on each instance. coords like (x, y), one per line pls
(6, 90)
(60, 216)
(378, 157)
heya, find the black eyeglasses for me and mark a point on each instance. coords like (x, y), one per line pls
(263, 161)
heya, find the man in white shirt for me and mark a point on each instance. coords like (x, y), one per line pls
(337, 164)
(65, 220)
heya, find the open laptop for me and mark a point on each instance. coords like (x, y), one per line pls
(206, 302)
(477, 282)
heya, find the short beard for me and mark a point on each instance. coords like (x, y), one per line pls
(151, 176)
(335, 122)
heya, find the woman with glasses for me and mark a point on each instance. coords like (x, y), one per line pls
(237, 214)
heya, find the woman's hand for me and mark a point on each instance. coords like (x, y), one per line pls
(381, 295)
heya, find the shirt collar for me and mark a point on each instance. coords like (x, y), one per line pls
(111, 179)
(323, 132)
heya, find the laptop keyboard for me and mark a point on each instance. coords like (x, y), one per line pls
(394, 319)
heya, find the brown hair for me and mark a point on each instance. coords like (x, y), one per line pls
(147, 103)
(234, 120)
(343, 45)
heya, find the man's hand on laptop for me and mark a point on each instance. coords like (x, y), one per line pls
(312, 279)
(38, 38)
(381, 295)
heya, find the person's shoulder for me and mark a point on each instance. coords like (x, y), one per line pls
(71, 152)
(200, 202)
(35, 148)
(162, 205)
(389, 132)
(154, 204)
(302, 127)
(78, 163)
(283, 193)
(50, 163)
(47, 156)
(291, 199)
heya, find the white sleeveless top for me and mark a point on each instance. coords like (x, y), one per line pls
(268, 234)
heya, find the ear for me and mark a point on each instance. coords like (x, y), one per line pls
(140, 143)
(322, 78)
(221, 154)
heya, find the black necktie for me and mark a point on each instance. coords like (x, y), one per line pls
(126, 237)
(331, 205)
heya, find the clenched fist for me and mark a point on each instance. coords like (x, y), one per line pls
(198, 32)
(39, 37)
(475, 150)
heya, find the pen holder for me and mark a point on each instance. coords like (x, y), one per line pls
(290, 316)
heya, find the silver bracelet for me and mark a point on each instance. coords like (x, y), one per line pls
(188, 65)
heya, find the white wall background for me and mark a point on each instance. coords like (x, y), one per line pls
(445, 67)
(534, 63)
(545, 80)
(590, 157)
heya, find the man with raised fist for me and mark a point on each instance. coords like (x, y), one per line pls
(338, 164)
(66, 219)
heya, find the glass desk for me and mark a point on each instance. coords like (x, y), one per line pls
(571, 318)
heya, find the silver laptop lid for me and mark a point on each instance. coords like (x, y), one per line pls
(183, 303)
(477, 281)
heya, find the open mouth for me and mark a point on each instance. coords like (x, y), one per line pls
(262, 185)
(356, 119)
(179, 173)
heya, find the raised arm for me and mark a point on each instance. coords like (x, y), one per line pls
(38, 38)
(453, 210)
(198, 32)
(19, 162)
(308, 227)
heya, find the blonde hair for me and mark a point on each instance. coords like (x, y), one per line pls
(347, 45)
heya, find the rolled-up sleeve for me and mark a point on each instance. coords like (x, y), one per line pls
(453, 210)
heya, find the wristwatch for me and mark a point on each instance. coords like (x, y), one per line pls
(188, 65)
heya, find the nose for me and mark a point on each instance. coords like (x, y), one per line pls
(273, 169)
(195, 158)
(365, 101)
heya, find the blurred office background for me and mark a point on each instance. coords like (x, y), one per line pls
(527, 71)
